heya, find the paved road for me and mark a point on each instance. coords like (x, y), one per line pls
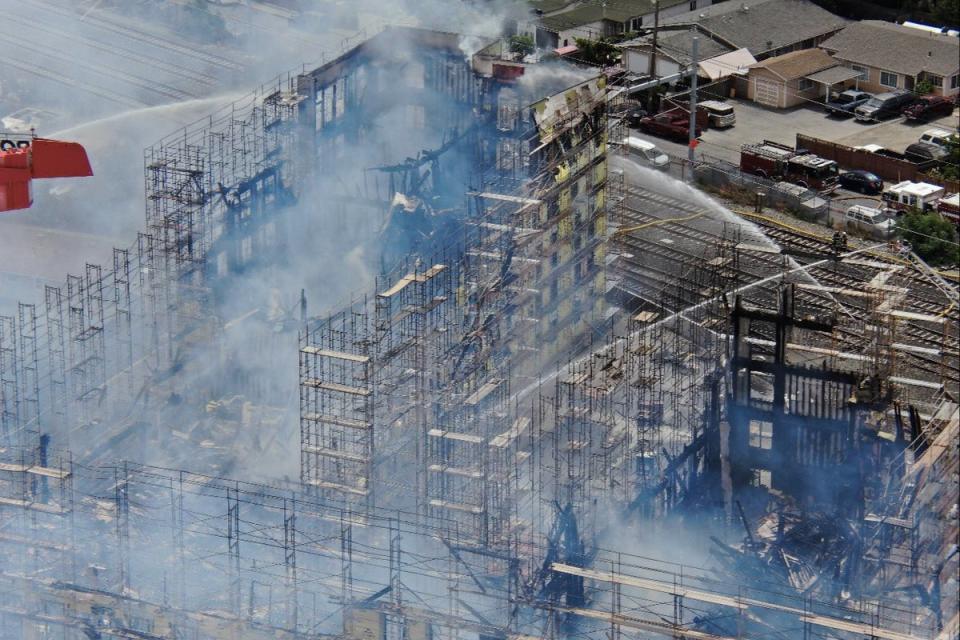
(100, 57)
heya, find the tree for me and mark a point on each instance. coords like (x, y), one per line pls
(947, 11)
(598, 52)
(923, 87)
(522, 44)
(950, 165)
(933, 237)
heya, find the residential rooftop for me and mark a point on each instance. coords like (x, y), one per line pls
(797, 64)
(592, 12)
(894, 47)
(762, 25)
(678, 45)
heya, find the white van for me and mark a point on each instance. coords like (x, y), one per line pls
(721, 114)
(647, 151)
(877, 221)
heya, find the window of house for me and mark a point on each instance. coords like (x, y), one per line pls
(863, 71)
(636, 23)
(936, 81)
(888, 79)
(954, 81)
(806, 84)
(761, 434)
(693, 5)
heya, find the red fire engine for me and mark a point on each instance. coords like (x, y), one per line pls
(780, 162)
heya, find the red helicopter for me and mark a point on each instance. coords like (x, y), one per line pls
(28, 158)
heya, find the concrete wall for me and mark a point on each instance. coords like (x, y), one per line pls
(591, 31)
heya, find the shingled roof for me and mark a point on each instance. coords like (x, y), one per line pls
(797, 64)
(894, 47)
(678, 45)
(762, 25)
(614, 11)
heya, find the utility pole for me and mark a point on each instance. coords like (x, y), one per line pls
(652, 71)
(694, 66)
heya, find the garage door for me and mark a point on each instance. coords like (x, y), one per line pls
(767, 92)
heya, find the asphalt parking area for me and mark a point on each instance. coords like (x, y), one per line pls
(756, 123)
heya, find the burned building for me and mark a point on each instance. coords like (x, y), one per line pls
(531, 361)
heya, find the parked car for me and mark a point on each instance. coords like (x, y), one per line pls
(861, 181)
(846, 102)
(929, 107)
(923, 162)
(879, 222)
(667, 125)
(884, 105)
(720, 114)
(925, 151)
(647, 152)
(940, 137)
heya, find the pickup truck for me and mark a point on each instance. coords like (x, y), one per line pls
(846, 102)
(666, 125)
(929, 108)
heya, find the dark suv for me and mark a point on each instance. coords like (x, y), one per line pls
(884, 105)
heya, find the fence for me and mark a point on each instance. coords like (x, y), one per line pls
(885, 166)
(805, 204)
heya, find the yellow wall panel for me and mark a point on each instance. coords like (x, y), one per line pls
(599, 254)
(600, 226)
(600, 172)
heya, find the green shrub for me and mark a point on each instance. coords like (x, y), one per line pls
(933, 237)
(522, 44)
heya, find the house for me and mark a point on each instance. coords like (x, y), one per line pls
(890, 56)
(673, 51)
(784, 81)
(766, 28)
(561, 26)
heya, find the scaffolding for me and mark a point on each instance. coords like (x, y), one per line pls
(468, 424)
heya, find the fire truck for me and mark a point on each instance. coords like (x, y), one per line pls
(782, 163)
(24, 158)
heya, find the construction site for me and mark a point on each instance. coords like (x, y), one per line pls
(409, 349)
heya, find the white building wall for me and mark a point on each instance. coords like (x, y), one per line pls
(591, 31)
(639, 62)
